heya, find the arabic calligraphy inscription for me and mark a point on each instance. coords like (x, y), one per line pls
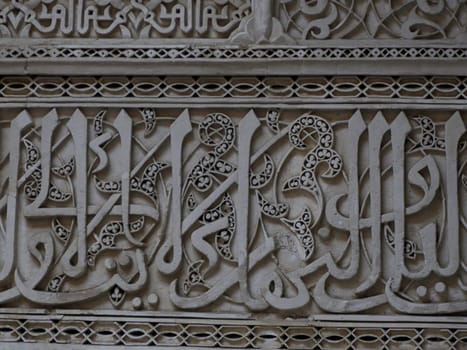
(247, 210)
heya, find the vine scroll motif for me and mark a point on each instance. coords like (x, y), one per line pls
(407, 19)
(262, 209)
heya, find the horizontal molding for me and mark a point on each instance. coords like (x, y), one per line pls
(238, 89)
(247, 319)
(232, 60)
(319, 105)
(129, 332)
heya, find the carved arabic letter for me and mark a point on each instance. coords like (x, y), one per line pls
(41, 247)
(331, 304)
(48, 126)
(246, 129)
(63, 298)
(406, 306)
(428, 238)
(77, 127)
(428, 232)
(400, 128)
(356, 129)
(204, 247)
(454, 129)
(289, 303)
(124, 126)
(225, 282)
(429, 188)
(22, 121)
(179, 129)
(96, 146)
(376, 130)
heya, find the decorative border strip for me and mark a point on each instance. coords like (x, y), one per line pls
(214, 88)
(234, 52)
(227, 333)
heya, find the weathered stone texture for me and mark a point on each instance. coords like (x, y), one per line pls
(227, 173)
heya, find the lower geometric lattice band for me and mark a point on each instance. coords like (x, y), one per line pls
(230, 333)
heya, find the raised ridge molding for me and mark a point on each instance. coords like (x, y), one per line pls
(225, 174)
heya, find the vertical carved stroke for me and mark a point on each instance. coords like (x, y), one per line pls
(78, 130)
(179, 129)
(48, 126)
(376, 130)
(400, 128)
(124, 126)
(356, 128)
(455, 128)
(22, 121)
(246, 129)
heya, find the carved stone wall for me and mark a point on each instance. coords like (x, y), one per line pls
(233, 174)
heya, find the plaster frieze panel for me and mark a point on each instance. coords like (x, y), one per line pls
(121, 19)
(282, 212)
(293, 37)
(321, 20)
(265, 21)
(233, 174)
(290, 37)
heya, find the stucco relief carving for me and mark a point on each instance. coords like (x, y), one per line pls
(121, 19)
(233, 173)
(274, 210)
(407, 19)
(272, 88)
(255, 21)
